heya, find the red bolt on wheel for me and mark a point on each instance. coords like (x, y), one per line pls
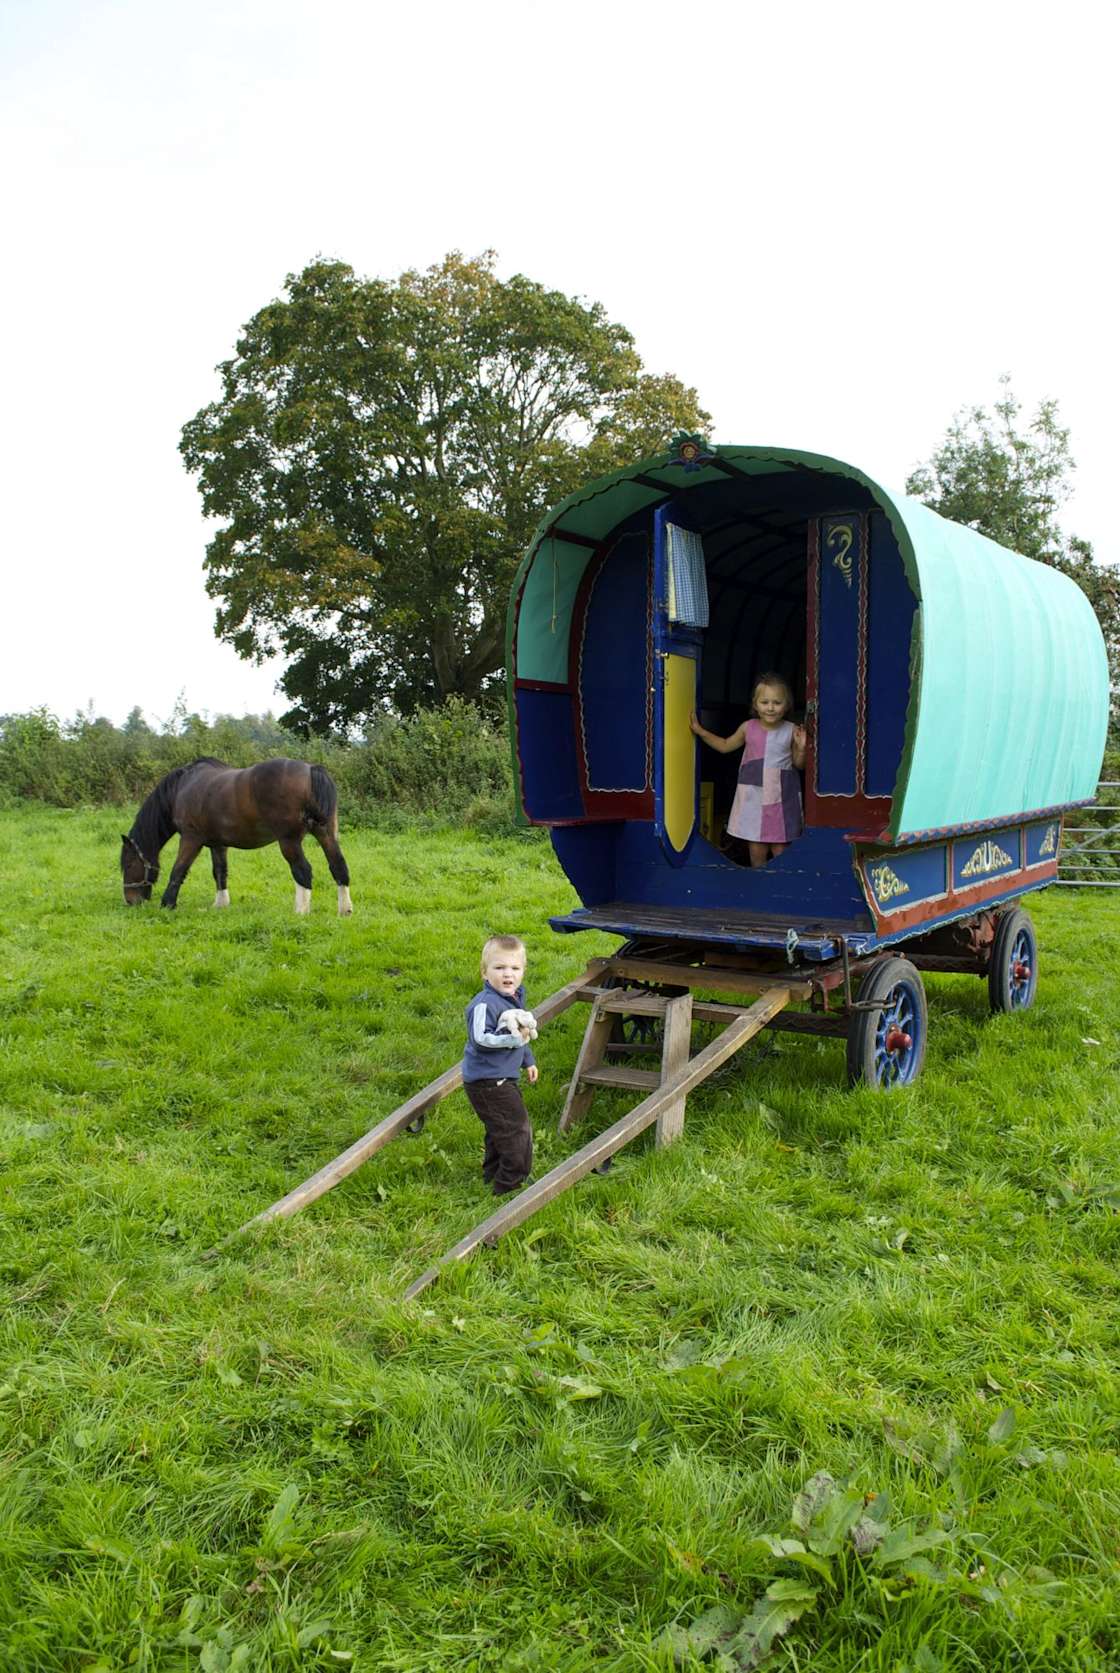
(896, 1040)
(1021, 970)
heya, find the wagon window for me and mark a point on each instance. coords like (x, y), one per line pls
(688, 583)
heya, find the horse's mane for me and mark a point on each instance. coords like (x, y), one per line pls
(154, 824)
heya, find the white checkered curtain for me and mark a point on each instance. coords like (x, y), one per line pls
(688, 583)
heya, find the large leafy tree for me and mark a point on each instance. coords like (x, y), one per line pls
(1009, 477)
(379, 457)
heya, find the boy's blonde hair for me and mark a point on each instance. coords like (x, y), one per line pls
(778, 684)
(502, 944)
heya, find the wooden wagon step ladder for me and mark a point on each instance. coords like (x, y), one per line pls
(667, 1097)
(591, 1071)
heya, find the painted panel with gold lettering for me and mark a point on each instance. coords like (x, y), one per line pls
(1042, 842)
(901, 880)
(977, 859)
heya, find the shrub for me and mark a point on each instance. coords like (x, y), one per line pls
(33, 757)
(435, 761)
(446, 764)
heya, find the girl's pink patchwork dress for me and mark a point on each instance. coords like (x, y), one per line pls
(767, 805)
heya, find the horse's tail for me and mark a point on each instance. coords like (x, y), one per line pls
(323, 807)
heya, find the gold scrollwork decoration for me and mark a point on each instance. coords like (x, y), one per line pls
(839, 540)
(887, 883)
(988, 856)
(1049, 841)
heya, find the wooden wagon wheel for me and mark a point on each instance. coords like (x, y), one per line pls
(1013, 965)
(888, 1027)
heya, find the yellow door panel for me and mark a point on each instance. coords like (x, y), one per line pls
(679, 744)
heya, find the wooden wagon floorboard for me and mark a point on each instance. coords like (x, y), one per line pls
(386, 1130)
(607, 1143)
(700, 924)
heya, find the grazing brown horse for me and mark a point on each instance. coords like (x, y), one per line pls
(218, 807)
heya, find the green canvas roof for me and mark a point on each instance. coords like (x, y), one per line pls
(1008, 707)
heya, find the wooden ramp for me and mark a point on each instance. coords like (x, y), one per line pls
(664, 1092)
(665, 1105)
(406, 1116)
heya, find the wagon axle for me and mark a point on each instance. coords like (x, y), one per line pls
(897, 1040)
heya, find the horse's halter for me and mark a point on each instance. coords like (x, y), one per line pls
(146, 881)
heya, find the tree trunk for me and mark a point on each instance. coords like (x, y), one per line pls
(445, 661)
(485, 655)
(463, 676)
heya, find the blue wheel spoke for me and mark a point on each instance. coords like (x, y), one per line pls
(886, 1044)
(898, 1015)
(1020, 959)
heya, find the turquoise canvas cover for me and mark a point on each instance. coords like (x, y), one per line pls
(1009, 704)
(1009, 690)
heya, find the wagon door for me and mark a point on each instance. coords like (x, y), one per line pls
(860, 619)
(680, 616)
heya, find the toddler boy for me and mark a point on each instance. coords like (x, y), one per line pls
(497, 1051)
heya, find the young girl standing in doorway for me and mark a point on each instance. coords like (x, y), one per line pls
(766, 812)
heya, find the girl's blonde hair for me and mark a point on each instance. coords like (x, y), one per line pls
(778, 684)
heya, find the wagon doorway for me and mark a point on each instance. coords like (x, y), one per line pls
(755, 574)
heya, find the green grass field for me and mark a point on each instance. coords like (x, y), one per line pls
(579, 1450)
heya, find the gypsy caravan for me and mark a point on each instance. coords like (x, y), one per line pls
(954, 697)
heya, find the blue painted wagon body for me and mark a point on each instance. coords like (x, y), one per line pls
(954, 696)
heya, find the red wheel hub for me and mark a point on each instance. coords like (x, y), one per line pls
(1021, 970)
(896, 1040)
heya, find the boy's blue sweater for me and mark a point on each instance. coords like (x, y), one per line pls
(491, 1055)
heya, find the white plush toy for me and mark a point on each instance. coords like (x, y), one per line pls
(524, 1023)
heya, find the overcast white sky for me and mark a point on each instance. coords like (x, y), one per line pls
(841, 223)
